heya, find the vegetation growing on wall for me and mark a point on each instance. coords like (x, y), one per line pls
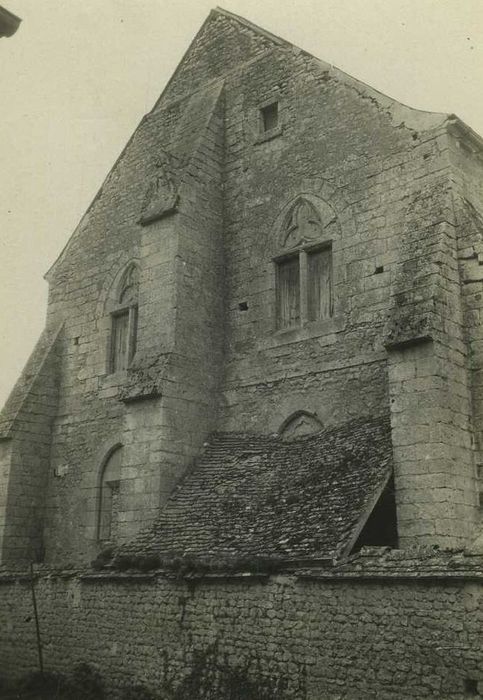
(84, 683)
(209, 679)
(186, 565)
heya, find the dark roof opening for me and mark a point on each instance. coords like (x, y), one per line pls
(380, 529)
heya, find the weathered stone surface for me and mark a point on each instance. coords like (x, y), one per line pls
(205, 204)
(367, 631)
(345, 168)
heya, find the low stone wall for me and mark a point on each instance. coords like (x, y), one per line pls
(283, 636)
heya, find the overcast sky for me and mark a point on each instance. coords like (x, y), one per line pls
(79, 75)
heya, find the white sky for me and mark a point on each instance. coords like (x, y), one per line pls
(79, 75)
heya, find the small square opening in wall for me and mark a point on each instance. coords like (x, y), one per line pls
(269, 117)
(243, 306)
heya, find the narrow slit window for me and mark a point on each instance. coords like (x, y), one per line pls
(132, 333)
(319, 284)
(288, 292)
(120, 341)
(109, 497)
(269, 117)
(124, 313)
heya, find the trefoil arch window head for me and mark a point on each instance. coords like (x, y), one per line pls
(108, 501)
(303, 275)
(302, 224)
(124, 314)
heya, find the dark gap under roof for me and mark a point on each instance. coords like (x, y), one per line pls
(261, 496)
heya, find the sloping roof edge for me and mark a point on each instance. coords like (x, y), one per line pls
(21, 390)
(219, 11)
(277, 514)
(63, 252)
(251, 25)
(458, 128)
(400, 113)
(364, 517)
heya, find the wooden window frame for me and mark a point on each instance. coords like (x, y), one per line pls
(132, 312)
(303, 254)
(278, 267)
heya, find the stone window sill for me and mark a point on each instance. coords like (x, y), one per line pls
(269, 135)
(112, 382)
(314, 329)
(115, 377)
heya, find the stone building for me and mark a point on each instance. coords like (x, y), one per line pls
(263, 354)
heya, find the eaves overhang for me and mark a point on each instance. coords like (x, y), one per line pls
(464, 134)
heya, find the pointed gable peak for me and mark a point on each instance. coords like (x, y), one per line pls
(250, 25)
(222, 44)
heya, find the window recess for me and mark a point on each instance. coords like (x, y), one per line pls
(269, 121)
(304, 287)
(269, 117)
(123, 338)
(124, 314)
(108, 503)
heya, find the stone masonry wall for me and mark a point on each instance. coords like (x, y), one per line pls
(207, 340)
(434, 468)
(430, 384)
(315, 639)
(179, 345)
(394, 248)
(468, 209)
(220, 47)
(92, 418)
(342, 149)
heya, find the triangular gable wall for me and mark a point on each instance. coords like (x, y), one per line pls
(223, 43)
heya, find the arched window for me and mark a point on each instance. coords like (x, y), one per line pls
(124, 321)
(304, 272)
(109, 496)
(299, 424)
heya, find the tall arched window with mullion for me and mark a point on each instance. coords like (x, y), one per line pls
(124, 321)
(304, 273)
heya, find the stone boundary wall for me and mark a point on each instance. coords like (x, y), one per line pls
(311, 637)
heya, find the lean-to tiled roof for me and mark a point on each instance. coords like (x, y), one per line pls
(261, 496)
